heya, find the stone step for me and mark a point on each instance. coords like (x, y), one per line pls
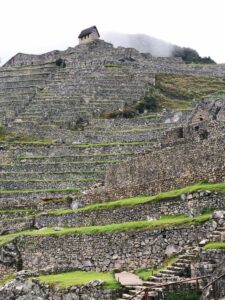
(181, 265)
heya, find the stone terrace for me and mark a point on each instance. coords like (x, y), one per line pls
(47, 96)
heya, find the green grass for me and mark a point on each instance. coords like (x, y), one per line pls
(19, 138)
(216, 187)
(171, 92)
(138, 130)
(145, 274)
(74, 156)
(68, 190)
(79, 278)
(216, 245)
(7, 278)
(110, 144)
(50, 180)
(58, 173)
(95, 162)
(164, 222)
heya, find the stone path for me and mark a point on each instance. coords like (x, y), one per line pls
(126, 278)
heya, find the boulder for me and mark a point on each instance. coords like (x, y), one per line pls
(219, 214)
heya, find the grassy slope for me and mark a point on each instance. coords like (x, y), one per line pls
(78, 278)
(188, 87)
(217, 187)
(172, 92)
(178, 91)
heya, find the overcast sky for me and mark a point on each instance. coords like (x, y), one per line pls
(38, 26)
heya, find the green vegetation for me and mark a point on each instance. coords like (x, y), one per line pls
(74, 156)
(171, 91)
(215, 187)
(164, 222)
(216, 245)
(89, 162)
(67, 190)
(134, 130)
(78, 278)
(183, 296)
(114, 66)
(6, 278)
(19, 138)
(145, 274)
(50, 180)
(110, 144)
(96, 171)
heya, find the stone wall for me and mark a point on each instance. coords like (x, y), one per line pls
(197, 158)
(21, 59)
(124, 251)
(22, 288)
(190, 205)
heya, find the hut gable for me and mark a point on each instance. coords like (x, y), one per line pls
(88, 35)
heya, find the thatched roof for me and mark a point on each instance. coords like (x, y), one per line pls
(88, 31)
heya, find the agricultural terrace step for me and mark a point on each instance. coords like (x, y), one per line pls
(59, 167)
(16, 213)
(37, 194)
(70, 158)
(23, 77)
(45, 184)
(44, 149)
(76, 175)
(20, 84)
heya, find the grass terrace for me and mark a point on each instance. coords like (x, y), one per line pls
(214, 187)
(216, 245)
(111, 144)
(164, 222)
(6, 279)
(18, 138)
(67, 190)
(79, 278)
(73, 156)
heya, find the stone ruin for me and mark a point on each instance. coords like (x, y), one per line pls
(69, 158)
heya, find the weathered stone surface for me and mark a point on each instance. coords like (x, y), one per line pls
(24, 289)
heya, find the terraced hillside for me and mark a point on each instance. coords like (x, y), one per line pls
(82, 132)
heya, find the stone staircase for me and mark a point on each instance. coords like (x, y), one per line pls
(177, 271)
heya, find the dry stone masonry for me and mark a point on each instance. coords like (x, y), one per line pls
(56, 153)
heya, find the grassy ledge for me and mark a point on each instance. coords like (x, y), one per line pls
(110, 144)
(164, 222)
(79, 278)
(69, 190)
(216, 245)
(7, 278)
(215, 187)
